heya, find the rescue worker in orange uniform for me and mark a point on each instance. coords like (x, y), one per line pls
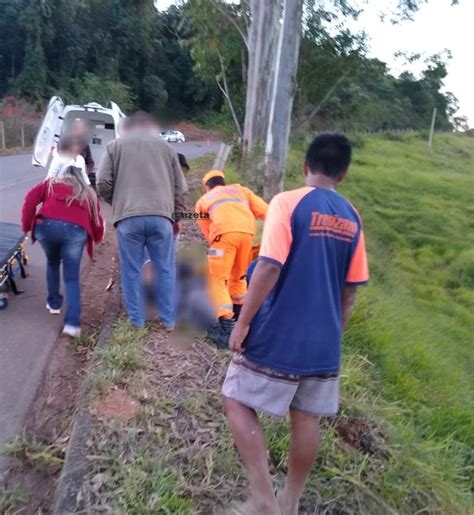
(227, 220)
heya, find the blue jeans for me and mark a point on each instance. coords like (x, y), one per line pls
(155, 234)
(63, 241)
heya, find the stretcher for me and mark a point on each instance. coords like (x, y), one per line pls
(13, 259)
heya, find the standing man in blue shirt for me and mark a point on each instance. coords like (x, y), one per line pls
(287, 341)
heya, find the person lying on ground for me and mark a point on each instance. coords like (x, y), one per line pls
(287, 341)
(68, 154)
(227, 220)
(67, 220)
(141, 178)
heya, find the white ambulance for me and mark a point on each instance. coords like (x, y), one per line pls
(103, 125)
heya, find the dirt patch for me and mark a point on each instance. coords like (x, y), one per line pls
(116, 403)
(352, 431)
(42, 446)
(357, 433)
(194, 133)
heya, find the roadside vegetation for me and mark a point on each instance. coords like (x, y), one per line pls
(177, 63)
(403, 440)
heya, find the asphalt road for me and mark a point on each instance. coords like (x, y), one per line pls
(27, 331)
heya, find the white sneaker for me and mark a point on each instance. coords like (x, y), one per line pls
(72, 330)
(52, 310)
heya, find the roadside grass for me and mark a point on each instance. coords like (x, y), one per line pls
(10, 499)
(415, 321)
(401, 442)
(41, 456)
(177, 456)
(116, 360)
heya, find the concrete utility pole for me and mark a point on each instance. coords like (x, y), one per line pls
(433, 120)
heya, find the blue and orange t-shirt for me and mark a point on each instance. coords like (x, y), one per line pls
(315, 235)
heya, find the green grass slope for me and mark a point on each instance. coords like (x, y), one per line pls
(410, 346)
(402, 443)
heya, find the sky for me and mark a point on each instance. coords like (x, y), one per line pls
(435, 27)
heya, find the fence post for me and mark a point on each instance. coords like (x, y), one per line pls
(2, 135)
(433, 120)
(22, 135)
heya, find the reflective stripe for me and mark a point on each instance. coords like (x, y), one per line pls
(239, 299)
(224, 307)
(226, 200)
(215, 252)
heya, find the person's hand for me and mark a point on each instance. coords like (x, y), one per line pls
(237, 337)
(176, 228)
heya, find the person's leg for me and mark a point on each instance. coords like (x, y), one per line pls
(131, 243)
(46, 234)
(221, 256)
(238, 275)
(75, 238)
(250, 441)
(160, 245)
(303, 450)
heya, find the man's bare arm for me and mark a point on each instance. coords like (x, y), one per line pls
(264, 278)
(348, 303)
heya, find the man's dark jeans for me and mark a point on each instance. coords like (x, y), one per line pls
(63, 241)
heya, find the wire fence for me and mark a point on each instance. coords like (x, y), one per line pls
(17, 134)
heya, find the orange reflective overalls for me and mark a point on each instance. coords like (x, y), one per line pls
(229, 229)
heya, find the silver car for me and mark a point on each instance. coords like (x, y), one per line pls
(173, 136)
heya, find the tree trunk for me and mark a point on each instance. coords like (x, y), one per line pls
(225, 91)
(262, 39)
(284, 82)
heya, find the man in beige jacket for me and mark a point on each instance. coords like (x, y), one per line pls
(140, 176)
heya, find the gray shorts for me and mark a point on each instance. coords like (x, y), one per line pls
(274, 393)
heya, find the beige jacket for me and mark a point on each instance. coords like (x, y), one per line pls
(140, 175)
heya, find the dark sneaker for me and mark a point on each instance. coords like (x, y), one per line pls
(219, 333)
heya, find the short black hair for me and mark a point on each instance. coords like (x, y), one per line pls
(215, 181)
(329, 154)
(142, 119)
(183, 161)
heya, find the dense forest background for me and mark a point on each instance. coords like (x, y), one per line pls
(190, 63)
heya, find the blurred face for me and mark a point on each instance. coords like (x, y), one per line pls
(79, 129)
(75, 149)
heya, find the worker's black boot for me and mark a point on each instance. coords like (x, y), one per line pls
(220, 332)
(212, 331)
(237, 309)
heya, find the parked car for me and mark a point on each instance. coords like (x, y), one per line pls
(173, 136)
(103, 124)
